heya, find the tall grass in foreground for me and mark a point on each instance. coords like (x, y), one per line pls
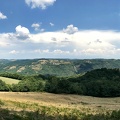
(34, 111)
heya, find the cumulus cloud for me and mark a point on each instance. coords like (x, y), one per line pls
(48, 37)
(2, 16)
(81, 44)
(43, 4)
(36, 26)
(88, 42)
(4, 40)
(70, 29)
(22, 32)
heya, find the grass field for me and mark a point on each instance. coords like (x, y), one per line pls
(9, 80)
(47, 106)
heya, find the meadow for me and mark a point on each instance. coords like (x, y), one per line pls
(9, 80)
(48, 106)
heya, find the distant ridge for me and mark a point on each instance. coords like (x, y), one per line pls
(58, 67)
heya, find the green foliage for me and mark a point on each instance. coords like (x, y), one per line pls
(56, 67)
(3, 86)
(1, 103)
(12, 75)
(62, 85)
(100, 83)
(29, 84)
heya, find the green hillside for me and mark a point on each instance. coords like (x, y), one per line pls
(99, 83)
(9, 80)
(58, 67)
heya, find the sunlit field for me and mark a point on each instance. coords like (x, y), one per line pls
(9, 80)
(47, 106)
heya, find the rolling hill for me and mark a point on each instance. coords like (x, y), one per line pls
(58, 67)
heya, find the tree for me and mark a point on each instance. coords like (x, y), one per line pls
(3, 86)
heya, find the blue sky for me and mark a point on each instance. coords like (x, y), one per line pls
(59, 29)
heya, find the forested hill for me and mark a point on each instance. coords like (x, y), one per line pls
(58, 67)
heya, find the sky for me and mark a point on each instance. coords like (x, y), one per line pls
(72, 29)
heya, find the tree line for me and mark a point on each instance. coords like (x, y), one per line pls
(100, 83)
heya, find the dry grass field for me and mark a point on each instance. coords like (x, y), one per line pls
(61, 100)
(57, 104)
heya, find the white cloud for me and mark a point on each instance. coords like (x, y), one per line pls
(58, 51)
(36, 26)
(42, 51)
(70, 29)
(47, 37)
(43, 4)
(4, 40)
(22, 32)
(3, 44)
(14, 52)
(81, 44)
(90, 42)
(51, 24)
(2, 16)
(20, 29)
